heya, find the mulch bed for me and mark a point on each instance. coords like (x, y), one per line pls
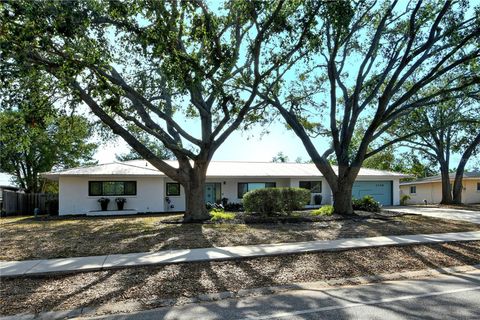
(26, 238)
(151, 285)
(294, 217)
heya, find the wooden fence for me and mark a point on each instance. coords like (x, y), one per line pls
(18, 203)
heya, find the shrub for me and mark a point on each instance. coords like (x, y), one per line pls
(275, 200)
(367, 203)
(231, 206)
(404, 199)
(326, 210)
(219, 214)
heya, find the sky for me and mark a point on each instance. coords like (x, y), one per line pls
(244, 146)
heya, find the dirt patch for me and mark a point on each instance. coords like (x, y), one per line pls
(151, 285)
(26, 238)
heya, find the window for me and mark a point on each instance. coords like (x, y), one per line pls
(173, 189)
(413, 189)
(112, 188)
(313, 186)
(244, 187)
(478, 186)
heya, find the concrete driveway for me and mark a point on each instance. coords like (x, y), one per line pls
(445, 213)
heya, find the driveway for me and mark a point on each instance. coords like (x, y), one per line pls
(445, 213)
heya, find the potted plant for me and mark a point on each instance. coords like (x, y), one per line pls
(120, 203)
(104, 203)
(317, 199)
(224, 202)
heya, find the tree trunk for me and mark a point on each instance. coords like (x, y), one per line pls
(457, 184)
(446, 186)
(342, 199)
(342, 192)
(195, 195)
(457, 189)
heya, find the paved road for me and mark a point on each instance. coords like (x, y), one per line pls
(446, 213)
(445, 297)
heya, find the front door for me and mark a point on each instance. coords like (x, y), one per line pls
(211, 192)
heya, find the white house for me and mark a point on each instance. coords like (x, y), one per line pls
(429, 189)
(148, 190)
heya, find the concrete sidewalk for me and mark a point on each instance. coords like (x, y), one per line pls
(81, 264)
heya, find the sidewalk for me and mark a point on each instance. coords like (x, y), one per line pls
(113, 261)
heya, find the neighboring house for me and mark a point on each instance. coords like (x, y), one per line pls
(430, 189)
(149, 190)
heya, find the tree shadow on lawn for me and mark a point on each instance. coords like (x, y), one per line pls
(178, 282)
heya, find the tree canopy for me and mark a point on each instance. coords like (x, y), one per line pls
(450, 127)
(36, 136)
(151, 64)
(373, 63)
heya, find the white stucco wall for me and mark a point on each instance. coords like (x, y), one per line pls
(432, 192)
(151, 193)
(230, 186)
(326, 191)
(177, 203)
(74, 198)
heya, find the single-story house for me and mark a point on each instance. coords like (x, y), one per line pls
(429, 189)
(146, 189)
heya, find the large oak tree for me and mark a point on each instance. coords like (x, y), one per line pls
(451, 127)
(150, 64)
(372, 61)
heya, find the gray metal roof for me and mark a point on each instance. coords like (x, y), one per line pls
(438, 178)
(215, 169)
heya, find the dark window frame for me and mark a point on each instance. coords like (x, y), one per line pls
(413, 188)
(240, 196)
(103, 182)
(478, 186)
(310, 185)
(177, 194)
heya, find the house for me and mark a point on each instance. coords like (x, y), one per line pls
(149, 190)
(430, 189)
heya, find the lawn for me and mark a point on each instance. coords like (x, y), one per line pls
(25, 238)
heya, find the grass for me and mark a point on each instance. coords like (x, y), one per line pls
(23, 238)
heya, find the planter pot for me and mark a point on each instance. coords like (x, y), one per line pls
(104, 206)
(317, 199)
(120, 205)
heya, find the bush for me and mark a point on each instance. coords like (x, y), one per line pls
(366, 203)
(404, 199)
(275, 200)
(231, 206)
(326, 210)
(219, 214)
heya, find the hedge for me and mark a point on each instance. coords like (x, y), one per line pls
(275, 200)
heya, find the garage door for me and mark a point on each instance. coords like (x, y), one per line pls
(379, 190)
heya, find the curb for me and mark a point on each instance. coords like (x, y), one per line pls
(135, 305)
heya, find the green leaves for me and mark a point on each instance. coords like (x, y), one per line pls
(36, 136)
